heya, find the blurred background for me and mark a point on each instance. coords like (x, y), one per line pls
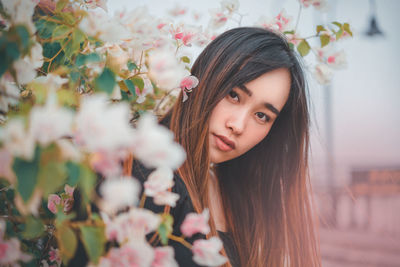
(355, 159)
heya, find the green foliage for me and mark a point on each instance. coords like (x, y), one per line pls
(165, 228)
(324, 39)
(131, 87)
(320, 28)
(138, 81)
(67, 242)
(73, 171)
(185, 59)
(132, 66)
(93, 239)
(303, 48)
(87, 179)
(27, 173)
(83, 59)
(61, 31)
(105, 82)
(34, 228)
(52, 177)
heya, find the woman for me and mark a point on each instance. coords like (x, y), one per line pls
(245, 131)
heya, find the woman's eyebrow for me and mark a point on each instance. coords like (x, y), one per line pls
(266, 104)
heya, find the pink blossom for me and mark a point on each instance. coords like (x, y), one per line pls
(54, 255)
(230, 5)
(206, 252)
(96, 3)
(164, 257)
(10, 251)
(52, 202)
(135, 254)
(119, 193)
(323, 73)
(166, 198)
(107, 163)
(69, 190)
(196, 223)
(187, 84)
(178, 11)
(158, 181)
(218, 18)
(281, 23)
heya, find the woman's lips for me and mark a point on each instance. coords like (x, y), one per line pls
(224, 143)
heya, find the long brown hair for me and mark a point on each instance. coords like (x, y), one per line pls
(265, 192)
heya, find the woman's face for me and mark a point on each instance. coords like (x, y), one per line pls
(244, 117)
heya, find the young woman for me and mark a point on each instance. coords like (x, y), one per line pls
(245, 131)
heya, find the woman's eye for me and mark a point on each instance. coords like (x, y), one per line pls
(233, 95)
(262, 116)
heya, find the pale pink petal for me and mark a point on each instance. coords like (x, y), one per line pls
(196, 223)
(206, 252)
(52, 202)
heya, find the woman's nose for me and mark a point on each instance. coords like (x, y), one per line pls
(236, 122)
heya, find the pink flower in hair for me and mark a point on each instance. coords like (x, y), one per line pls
(187, 84)
(196, 223)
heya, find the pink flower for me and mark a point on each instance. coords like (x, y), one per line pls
(206, 252)
(196, 223)
(218, 18)
(69, 190)
(52, 202)
(164, 257)
(158, 181)
(187, 84)
(54, 255)
(166, 198)
(137, 253)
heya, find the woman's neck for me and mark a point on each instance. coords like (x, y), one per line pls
(215, 203)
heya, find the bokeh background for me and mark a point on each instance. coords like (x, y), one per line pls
(355, 159)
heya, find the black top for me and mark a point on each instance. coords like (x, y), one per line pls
(184, 205)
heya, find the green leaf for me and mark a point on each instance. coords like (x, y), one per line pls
(185, 59)
(131, 66)
(12, 51)
(337, 24)
(324, 39)
(23, 34)
(105, 82)
(288, 32)
(45, 28)
(165, 228)
(52, 177)
(93, 239)
(87, 180)
(320, 28)
(138, 81)
(67, 242)
(131, 87)
(61, 31)
(61, 5)
(339, 34)
(346, 27)
(303, 48)
(73, 171)
(68, 17)
(83, 59)
(34, 228)
(27, 173)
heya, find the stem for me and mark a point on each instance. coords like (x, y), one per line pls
(180, 240)
(162, 100)
(142, 200)
(298, 17)
(51, 59)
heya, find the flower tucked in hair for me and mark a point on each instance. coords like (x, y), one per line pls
(187, 84)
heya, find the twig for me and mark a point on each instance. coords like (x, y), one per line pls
(180, 240)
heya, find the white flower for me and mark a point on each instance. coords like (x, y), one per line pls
(323, 73)
(117, 57)
(17, 140)
(96, 3)
(166, 198)
(36, 55)
(99, 25)
(52, 81)
(21, 12)
(102, 126)
(119, 193)
(154, 145)
(158, 181)
(164, 257)
(218, 18)
(50, 122)
(321, 5)
(68, 150)
(206, 252)
(24, 70)
(230, 5)
(10, 92)
(196, 223)
(281, 23)
(10, 250)
(165, 69)
(131, 225)
(134, 253)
